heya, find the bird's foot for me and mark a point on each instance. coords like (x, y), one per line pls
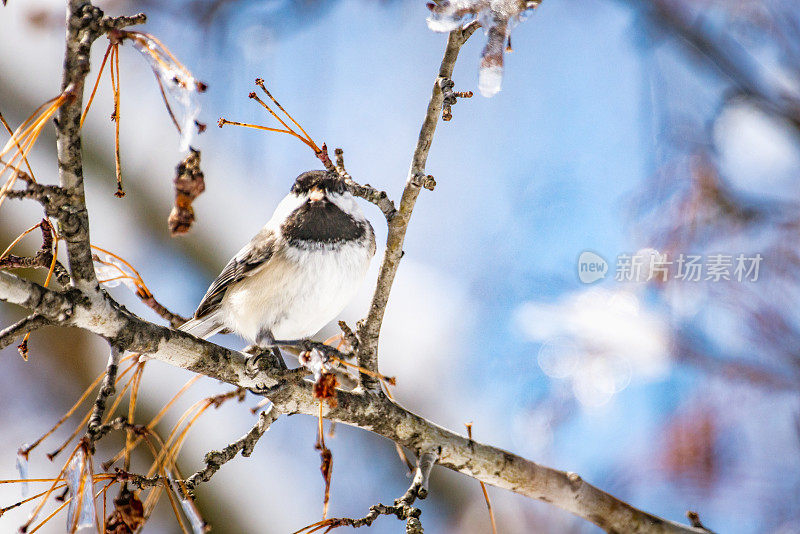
(285, 377)
(269, 359)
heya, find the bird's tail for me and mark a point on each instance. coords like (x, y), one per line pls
(202, 328)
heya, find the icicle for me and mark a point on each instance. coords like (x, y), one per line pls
(189, 509)
(176, 81)
(108, 275)
(22, 469)
(77, 470)
(490, 79)
(198, 525)
(490, 76)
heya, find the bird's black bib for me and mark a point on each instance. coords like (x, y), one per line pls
(320, 222)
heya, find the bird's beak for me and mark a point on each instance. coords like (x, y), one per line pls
(316, 194)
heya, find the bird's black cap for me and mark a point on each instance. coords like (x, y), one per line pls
(329, 182)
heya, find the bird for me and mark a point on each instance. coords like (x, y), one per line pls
(297, 273)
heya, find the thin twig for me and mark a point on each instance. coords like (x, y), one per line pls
(402, 507)
(215, 459)
(29, 323)
(483, 489)
(450, 97)
(369, 330)
(366, 191)
(107, 389)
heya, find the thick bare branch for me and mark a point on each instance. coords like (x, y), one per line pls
(363, 409)
(106, 318)
(85, 23)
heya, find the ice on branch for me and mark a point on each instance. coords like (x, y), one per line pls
(174, 80)
(198, 525)
(81, 493)
(446, 16)
(498, 18)
(111, 272)
(22, 469)
(316, 362)
(191, 512)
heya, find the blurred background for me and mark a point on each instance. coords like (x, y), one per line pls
(671, 125)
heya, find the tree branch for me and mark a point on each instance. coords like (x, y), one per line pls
(107, 389)
(85, 23)
(83, 27)
(215, 459)
(369, 330)
(366, 191)
(500, 468)
(402, 507)
(29, 323)
(367, 410)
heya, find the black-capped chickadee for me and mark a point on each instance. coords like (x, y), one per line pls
(298, 273)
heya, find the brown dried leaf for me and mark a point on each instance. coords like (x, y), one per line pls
(326, 468)
(325, 388)
(23, 349)
(189, 183)
(128, 515)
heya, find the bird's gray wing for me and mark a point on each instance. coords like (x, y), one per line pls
(246, 262)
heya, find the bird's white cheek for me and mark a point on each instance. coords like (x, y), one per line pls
(289, 203)
(347, 204)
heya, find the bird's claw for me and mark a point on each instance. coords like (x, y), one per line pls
(284, 378)
(265, 360)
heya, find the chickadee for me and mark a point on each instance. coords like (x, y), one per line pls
(298, 273)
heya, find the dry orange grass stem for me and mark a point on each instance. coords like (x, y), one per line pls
(302, 135)
(24, 138)
(112, 54)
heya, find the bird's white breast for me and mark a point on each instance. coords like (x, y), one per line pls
(297, 292)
